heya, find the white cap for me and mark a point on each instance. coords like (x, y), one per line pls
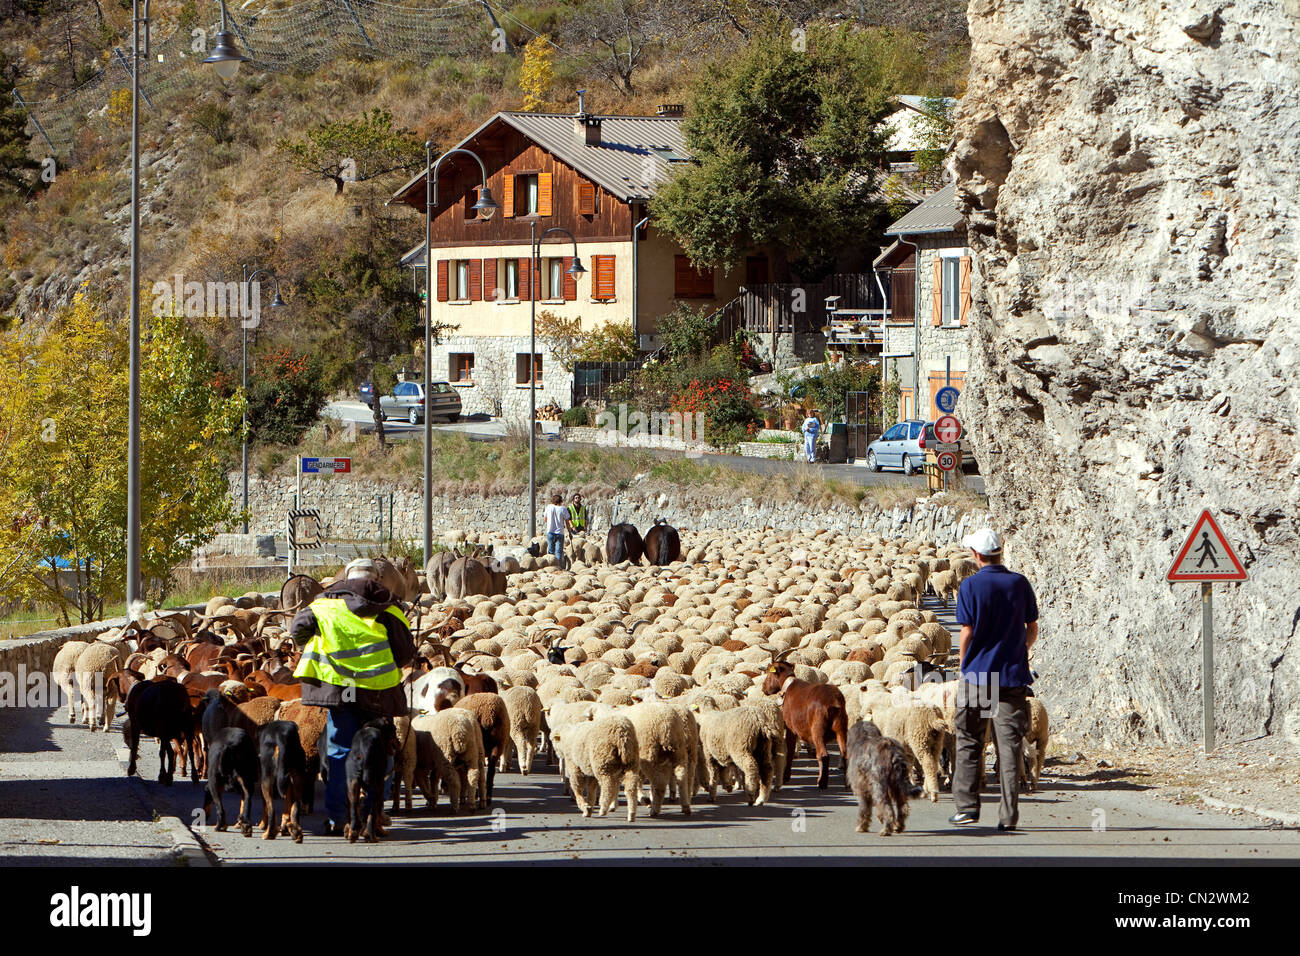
(984, 541)
(361, 568)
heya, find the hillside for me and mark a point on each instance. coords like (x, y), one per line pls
(217, 193)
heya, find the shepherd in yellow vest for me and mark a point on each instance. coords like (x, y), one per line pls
(355, 642)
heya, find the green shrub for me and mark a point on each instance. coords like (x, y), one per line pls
(578, 417)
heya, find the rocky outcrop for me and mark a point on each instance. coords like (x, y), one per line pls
(1131, 186)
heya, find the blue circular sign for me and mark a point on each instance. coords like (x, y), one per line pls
(946, 399)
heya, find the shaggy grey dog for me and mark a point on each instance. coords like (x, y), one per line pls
(879, 774)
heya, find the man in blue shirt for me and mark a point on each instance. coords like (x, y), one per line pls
(998, 614)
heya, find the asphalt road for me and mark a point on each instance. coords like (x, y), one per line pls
(489, 429)
(64, 798)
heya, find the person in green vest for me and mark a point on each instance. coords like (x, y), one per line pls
(355, 641)
(577, 515)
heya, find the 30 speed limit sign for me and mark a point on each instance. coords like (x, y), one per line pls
(946, 461)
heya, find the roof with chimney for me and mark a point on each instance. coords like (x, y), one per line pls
(938, 213)
(632, 157)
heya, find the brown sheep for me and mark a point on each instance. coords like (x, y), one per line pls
(494, 719)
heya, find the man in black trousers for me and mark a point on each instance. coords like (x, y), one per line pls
(998, 614)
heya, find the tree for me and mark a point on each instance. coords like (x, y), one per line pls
(537, 75)
(936, 127)
(354, 150)
(787, 138)
(562, 337)
(15, 164)
(609, 342)
(623, 32)
(285, 396)
(74, 474)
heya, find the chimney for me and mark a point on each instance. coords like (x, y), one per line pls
(586, 128)
(670, 109)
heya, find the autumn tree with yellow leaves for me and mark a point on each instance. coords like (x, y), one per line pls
(63, 457)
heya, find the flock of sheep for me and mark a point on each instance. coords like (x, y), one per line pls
(669, 679)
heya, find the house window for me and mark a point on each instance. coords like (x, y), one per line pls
(951, 290)
(521, 368)
(526, 195)
(555, 278)
(512, 278)
(587, 199)
(602, 283)
(460, 366)
(689, 282)
(462, 280)
(471, 198)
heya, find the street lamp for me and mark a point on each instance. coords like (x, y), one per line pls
(574, 270)
(225, 56)
(486, 207)
(227, 59)
(276, 303)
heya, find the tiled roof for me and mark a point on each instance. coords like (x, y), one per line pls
(938, 213)
(635, 153)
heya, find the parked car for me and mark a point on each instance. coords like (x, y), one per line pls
(408, 401)
(903, 447)
(367, 394)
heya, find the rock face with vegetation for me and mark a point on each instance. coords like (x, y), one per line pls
(1129, 179)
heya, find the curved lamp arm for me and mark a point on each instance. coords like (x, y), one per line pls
(576, 269)
(276, 301)
(486, 203)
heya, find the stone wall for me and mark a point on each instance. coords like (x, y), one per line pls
(494, 376)
(938, 342)
(348, 509)
(1127, 173)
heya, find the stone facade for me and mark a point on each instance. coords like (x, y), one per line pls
(494, 390)
(938, 342)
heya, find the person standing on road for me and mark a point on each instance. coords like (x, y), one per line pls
(557, 523)
(355, 642)
(812, 427)
(998, 614)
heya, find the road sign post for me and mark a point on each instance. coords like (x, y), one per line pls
(1206, 543)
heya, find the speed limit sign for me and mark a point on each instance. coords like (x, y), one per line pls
(946, 461)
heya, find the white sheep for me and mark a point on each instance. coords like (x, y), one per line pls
(666, 751)
(64, 673)
(525, 709)
(95, 667)
(735, 741)
(457, 758)
(598, 755)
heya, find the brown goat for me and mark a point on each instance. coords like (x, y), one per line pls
(812, 712)
(494, 720)
(311, 724)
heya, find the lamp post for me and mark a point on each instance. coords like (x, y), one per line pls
(276, 303)
(486, 207)
(227, 63)
(575, 270)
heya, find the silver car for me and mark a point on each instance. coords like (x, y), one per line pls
(903, 446)
(409, 401)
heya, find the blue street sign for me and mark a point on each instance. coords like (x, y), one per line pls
(945, 399)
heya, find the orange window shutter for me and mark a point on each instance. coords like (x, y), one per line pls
(475, 280)
(683, 277)
(489, 280)
(508, 195)
(442, 280)
(604, 277)
(704, 283)
(936, 293)
(586, 199)
(570, 282)
(544, 194)
(965, 290)
(525, 279)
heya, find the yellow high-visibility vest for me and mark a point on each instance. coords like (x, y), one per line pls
(349, 650)
(578, 516)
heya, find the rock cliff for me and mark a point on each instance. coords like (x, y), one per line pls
(1129, 174)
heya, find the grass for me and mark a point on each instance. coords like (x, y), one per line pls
(462, 466)
(190, 587)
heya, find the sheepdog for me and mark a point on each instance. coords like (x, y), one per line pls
(367, 766)
(878, 773)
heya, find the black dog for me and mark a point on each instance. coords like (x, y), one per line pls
(232, 762)
(284, 771)
(367, 766)
(879, 774)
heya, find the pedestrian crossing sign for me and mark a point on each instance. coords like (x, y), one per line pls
(1206, 555)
